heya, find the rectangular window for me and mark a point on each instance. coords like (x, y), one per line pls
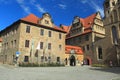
(26, 59)
(27, 43)
(87, 47)
(49, 45)
(27, 29)
(49, 33)
(60, 47)
(100, 53)
(60, 35)
(58, 59)
(87, 37)
(41, 45)
(41, 32)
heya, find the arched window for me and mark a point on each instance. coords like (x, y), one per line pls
(114, 34)
(115, 16)
(100, 55)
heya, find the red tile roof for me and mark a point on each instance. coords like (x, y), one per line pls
(31, 18)
(87, 22)
(34, 19)
(77, 49)
(0, 39)
(66, 28)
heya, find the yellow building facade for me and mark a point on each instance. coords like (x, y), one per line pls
(34, 40)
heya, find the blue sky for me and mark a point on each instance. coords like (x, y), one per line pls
(62, 11)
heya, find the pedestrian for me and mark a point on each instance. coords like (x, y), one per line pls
(111, 64)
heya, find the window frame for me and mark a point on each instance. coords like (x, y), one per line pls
(27, 43)
(49, 33)
(28, 29)
(60, 36)
(41, 32)
(49, 46)
(26, 58)
(41, 45)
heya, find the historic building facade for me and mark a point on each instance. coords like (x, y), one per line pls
(85, 33)
(73, 55)
(34, 40)
(112, 28)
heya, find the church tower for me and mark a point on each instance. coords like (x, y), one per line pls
(109, 6)
(112, 30)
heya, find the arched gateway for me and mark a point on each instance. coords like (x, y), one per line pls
(72, 60)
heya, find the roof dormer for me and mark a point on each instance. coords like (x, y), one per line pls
(46, 20)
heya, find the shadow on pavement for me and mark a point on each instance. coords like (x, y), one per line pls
(115, 70)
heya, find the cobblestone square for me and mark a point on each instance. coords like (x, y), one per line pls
(58, 73)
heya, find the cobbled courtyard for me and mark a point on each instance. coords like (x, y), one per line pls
(58, 73)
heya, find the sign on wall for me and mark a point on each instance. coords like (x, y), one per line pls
(17, 54)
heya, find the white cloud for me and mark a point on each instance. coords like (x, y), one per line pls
(23, 6)
(94, 6)
(38, 6)
(62, 6)
(40, 9)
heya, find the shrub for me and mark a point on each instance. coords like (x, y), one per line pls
(29, 65)
(41, 65)
(99, 65)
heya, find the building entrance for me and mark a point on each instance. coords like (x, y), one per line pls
(72, 61)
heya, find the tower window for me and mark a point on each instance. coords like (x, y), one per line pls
(100, 53)
(115, 16)
(114, 34)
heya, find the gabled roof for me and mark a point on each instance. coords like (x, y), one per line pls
(66, 28)
(31, 18)
(77, 49)
(88, 21)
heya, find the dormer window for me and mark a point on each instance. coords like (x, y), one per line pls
(46, 22)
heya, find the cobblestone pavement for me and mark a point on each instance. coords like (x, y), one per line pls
(58, 73)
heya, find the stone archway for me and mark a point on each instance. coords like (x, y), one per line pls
(72, 61)
(87, 61)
